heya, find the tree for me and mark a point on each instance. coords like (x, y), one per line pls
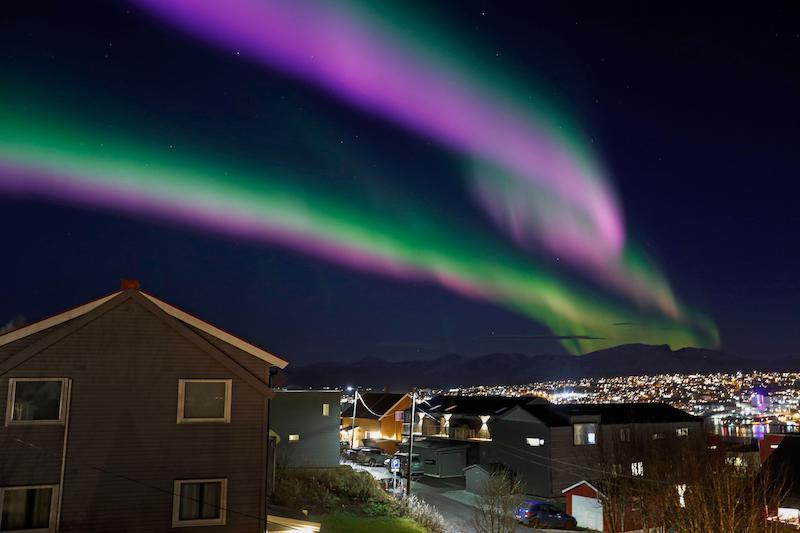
(499, 497)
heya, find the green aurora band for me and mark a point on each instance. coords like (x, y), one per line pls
(58, 156)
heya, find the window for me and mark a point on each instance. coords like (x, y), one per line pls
(534, 441)
(658, 436)
(326, 409)
(295, 438)
(625, 434)
(36, 401)
(584, 434)
(199, 502)
(204, 400)
(681, 488)
(637, 468)
(27, 508)
(682, 432)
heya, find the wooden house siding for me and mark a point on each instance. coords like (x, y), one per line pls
(125, 448)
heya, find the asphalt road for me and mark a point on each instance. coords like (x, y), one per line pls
(457, 514)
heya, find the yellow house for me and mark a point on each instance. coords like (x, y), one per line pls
(378, 420)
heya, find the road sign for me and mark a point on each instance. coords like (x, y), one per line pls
(395, 464)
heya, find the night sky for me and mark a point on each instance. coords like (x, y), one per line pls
(693, 113)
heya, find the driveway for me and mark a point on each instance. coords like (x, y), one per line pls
(454, 503)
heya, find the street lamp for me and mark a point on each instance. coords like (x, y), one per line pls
(353, 426)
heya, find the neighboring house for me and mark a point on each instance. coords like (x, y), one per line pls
(128, 414)
(376, 423)
(305, 428)
(587, 505)
(551, 447)
(783, 468)
(452, 432)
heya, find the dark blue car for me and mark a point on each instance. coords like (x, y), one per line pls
(541, 514)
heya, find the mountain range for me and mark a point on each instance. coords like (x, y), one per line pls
(514, 368)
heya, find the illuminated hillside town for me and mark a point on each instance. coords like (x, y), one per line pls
(741, 404)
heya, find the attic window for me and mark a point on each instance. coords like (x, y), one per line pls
(204, 400)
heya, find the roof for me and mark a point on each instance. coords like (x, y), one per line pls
(472, 405)
(377, 402)
(489, 468)
(555, 415)
(578, 484)
(287, 519)
(18, 347)
(784, 464)
(183, 316)
(629, 413)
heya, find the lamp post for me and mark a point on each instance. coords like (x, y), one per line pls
(410, 441)
(353, 426)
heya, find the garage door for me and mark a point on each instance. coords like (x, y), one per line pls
(451, 464)
(588, 512)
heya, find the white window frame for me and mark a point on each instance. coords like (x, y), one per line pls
(226, 419)
(53, 506)
(176, 504)
(62, 404)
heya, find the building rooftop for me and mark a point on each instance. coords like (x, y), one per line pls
(373, 404)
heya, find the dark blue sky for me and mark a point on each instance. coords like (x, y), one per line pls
(695, 112)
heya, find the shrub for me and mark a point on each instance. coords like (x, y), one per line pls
(325, 490)
(423, 514)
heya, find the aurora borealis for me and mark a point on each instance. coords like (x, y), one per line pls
(64, 158)
(541, 184)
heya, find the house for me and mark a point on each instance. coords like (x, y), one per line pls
(588, 505)
(304, 425)
(551, 447)
(376, 421)
(129, 414)
(782, 466)
(452, 432)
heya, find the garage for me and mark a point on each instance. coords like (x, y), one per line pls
(442, 458)
(583, 502)
(588, 512)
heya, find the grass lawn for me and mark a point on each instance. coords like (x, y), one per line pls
(350, 523)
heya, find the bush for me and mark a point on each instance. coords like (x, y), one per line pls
(325, 490)
(423, 514)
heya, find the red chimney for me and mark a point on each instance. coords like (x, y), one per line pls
(130, 284)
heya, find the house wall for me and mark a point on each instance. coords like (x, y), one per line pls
(300, 413)
(530, 464)
(391, 428)
(125, 448)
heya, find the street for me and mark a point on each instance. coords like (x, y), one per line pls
(447, 495)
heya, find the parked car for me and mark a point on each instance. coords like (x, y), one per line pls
(417, 466)
(542, 514)
(371, 456)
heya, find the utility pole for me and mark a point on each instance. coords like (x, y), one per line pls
(411, 441)
(353, 427)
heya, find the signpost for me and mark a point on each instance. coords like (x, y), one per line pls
(395, 467)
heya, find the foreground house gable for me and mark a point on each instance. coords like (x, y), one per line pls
(49, 331)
